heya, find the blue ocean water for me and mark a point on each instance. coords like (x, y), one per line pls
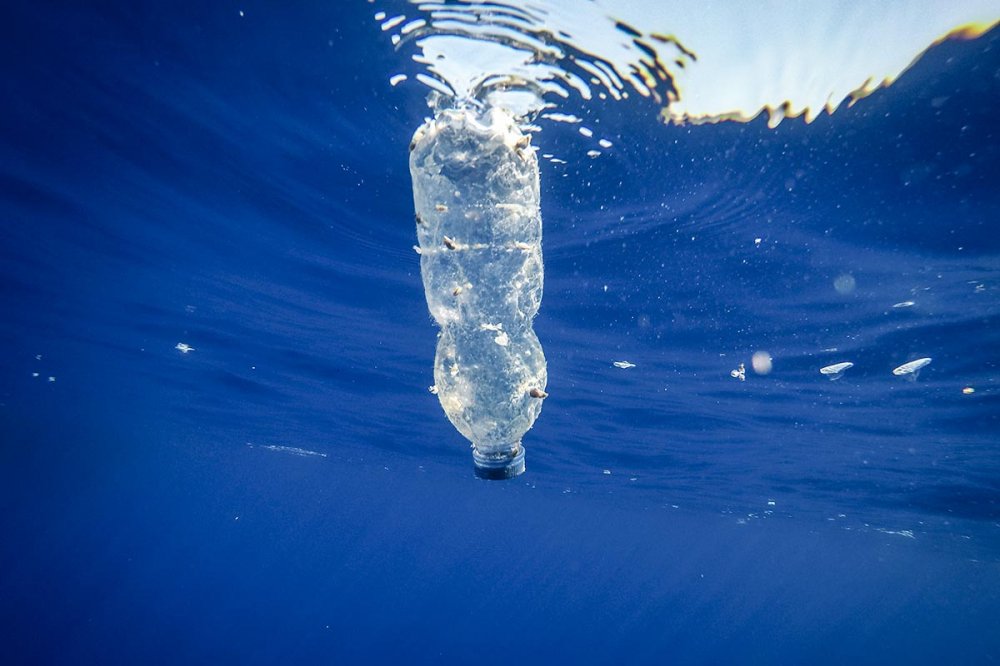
(288, 491)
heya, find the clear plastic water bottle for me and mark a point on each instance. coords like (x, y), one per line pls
(476, 195)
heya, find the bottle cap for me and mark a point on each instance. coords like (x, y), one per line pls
(505, 465)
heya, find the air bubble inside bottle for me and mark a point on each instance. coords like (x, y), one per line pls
(476, 195)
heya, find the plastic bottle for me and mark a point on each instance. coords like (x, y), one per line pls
(476, 195)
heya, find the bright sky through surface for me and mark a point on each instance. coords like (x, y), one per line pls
(710, 60)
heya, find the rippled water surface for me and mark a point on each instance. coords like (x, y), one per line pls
(216, 439)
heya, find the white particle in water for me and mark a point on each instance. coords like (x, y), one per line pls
(624, 365)
(413, 25)
(761, 362)
(393, 22)
(912, 369)
(836, 371)
(561, 117)
(844, 284)
(739, 373)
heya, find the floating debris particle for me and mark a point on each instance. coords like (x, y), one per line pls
(968, 390)
(51, 378)
(561, 117)
(586, 131)
(836, 371)
(761, 362)
(441, 208)
(593, 153)
(912, 369)
(413, 25)
(844, 283)
(34, 374)
(757, 241)
(538, 393)
(393, 22)
(433, 389)
(397, 79)
(183, 347)
(293, 450)
(502, 339)
(607, 472)
(604, 143)
(903, 304)
(624, 365)
(739, 373)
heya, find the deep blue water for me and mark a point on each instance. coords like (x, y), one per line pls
(181, 174)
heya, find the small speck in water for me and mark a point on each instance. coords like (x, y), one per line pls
(912, 369)
(836, 371)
